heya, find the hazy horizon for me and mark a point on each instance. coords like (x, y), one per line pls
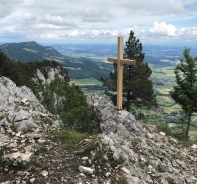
(183, 44)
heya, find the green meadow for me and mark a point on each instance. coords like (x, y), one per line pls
(87, 82)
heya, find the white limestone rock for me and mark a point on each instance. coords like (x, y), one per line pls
(32, 180)
(44, 173)
(39, 77)
(194, 146)
(162, 133)
(28, 94)
(4, 140)
(86, 170)
(108, 126)
(20, 114)
(18, 158)
(25, 125)
(4, 93)
(52, 74)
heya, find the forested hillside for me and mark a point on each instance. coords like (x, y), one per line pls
(29, 51)
(57, 95)
(22, 72)
(87, 68)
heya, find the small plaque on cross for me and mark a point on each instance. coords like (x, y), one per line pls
(120, 61)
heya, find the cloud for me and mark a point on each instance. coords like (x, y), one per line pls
(154, 7)
(57, 21)
(75, 33)
(163, 29)
(50, 36)
(6, 7)
(187, 33)
(98, 19)
(95, 12)
(169, 31)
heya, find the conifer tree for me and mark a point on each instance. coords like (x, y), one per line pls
(185, 93)
(137, 87)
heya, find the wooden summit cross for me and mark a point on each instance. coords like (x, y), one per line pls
(120, 61)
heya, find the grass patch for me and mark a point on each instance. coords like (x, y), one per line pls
(122, 181)
(185, 143)
(164, 101)
(58, 175)
(30, 50)
(41, 149)
(33, 165)
(2, 117)
(45, 166)
(68, 137)
(87, 81)
(174, 108)
(170, 180)
(92, 146)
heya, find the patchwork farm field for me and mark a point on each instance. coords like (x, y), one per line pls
(87, 82)
(164, 79)
(167, 76)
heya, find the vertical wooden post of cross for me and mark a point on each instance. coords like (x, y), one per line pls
(119, 73)
(120, 61)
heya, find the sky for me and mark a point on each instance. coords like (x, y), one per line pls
(98, 21)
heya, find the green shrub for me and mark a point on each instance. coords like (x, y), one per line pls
(72, 108)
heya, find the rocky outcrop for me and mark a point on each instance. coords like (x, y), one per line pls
(126, 148)
(145, 155)
(23, 121)
(49, 75)
(46, 76)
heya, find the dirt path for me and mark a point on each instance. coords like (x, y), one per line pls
(60, 166)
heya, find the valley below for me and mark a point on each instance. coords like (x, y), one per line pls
(161, 59)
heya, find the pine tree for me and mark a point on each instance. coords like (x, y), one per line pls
(2, 62)
(137, 87)
(185, 93)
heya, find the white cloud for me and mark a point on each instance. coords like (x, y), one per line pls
(50, 36)
(57, 21)
(163, 29)
(98, 19)
(76, 33)
(154, 7)
(6, 7)
(187, 33)
(169, 31)
(95, 12)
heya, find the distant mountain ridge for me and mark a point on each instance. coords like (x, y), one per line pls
(30, 51)
(77, 68)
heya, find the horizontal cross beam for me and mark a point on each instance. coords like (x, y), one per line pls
(123, 61)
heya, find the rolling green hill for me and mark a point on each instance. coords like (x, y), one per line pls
(80, 68)
(30, 51)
